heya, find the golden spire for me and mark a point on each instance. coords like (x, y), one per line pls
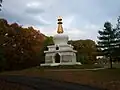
(60, 28)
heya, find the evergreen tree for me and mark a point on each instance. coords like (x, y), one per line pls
(1, 4)
(108, 41)
(118, 38)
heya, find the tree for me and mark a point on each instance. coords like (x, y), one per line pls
(118, 32)
(86, 50)
(108, 41)
(48, 41)
(117, 54)
(19, 45)
(1, 4)
(2, 59)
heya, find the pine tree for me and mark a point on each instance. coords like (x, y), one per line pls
(108, 41)
(118, 37)
(1, 4)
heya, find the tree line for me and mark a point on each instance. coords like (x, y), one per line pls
(24, 47)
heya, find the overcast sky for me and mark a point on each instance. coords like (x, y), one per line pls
(81, 18)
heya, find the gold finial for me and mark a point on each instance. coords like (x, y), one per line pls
(59, 17)
(60, 28)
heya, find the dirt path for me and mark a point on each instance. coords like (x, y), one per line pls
(74, 69)
(37, 83)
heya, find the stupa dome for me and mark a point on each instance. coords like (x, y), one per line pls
(60, 39)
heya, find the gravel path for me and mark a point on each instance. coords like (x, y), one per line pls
(37, 83)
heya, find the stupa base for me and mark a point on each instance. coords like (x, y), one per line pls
(57, 64)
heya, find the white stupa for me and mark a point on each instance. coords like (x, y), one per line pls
(61, 53)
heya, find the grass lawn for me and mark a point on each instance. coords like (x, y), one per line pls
(107, 78)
